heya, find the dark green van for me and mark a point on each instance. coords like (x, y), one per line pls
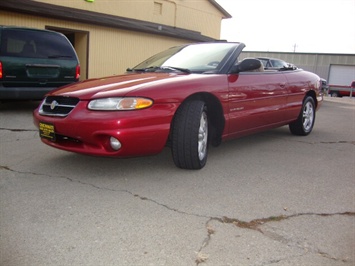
(34, 62)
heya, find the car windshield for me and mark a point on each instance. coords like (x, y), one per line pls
(197, 58)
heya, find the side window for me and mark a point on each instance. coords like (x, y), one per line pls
(11, 46)
(276, 63)
(264, 62)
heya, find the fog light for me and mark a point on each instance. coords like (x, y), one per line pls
(115, 144)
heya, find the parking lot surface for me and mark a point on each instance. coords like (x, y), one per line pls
(266, 199)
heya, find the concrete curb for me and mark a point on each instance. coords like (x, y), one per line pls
(340, 100)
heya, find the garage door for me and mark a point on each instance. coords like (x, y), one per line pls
(341, 75)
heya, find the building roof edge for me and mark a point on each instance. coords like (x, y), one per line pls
(220, 8)
(88, 17)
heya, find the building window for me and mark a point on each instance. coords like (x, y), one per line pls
(158, 8)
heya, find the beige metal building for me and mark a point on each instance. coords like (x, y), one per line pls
(111, 35)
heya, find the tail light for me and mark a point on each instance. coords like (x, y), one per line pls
(77, 72)
(0, 70)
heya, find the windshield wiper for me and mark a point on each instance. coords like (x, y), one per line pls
(157, 68)
(147, 69)
(185, 70)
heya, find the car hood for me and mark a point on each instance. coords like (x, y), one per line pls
(115, 86)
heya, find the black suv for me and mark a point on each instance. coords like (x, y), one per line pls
(34, 62)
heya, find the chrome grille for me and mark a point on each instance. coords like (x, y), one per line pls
(58, 105)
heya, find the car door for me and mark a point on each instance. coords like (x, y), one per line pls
(256, 101)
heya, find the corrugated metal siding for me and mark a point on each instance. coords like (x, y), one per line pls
(166, 15)
(201, 16)
(208, 24)
(112, 51)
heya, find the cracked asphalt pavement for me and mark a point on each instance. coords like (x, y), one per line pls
(267, 199)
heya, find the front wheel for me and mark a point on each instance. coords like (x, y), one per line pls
(305, 121)
(190, 135)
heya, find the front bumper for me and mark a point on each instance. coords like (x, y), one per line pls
(141, 132)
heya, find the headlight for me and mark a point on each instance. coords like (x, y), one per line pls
(122, 103)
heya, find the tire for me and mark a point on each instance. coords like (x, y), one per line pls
(305, 121)
(190, 135)
(334, 94)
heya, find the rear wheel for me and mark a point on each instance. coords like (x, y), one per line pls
(305, 121)
(190, 135)
(334, 94)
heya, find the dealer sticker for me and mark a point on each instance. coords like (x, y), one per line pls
(46, 131)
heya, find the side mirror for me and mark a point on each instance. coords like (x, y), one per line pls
(247, 64)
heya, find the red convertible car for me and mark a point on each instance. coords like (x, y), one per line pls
(188, 98)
